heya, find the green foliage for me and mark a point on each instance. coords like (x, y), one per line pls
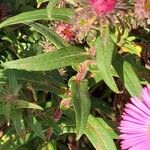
(99, 134)
(81, 103)
(35, 126)
(26, 17)
(18, 122)
(61, 58)
(58, 91)
(50, 35)
(105, 48)
(127, 74)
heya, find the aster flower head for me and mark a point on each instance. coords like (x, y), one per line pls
(82, 22)
(102, 7)
(135, 124)
(65, 30)
(142, 8)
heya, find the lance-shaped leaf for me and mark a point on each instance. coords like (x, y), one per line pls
(128, 75)
(81, 103)
(98, 135)
(41, 14)
(142, 72)
(47, 81)
(131, 80)
(18, 122)
(35, 126)
(6, 110)
(104, 54)
(52, 36)
(48, 61)
(109, 130)
(14, 87)
(25, 104)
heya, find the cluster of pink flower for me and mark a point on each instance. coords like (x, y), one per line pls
(83, 19)
(65, 31)
(103, 7)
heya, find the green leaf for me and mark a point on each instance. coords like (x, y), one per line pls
(81, 103)
(50, 8)
(104, 54)
(49, 61)
(12, 81)
(41, 14)
(131, 80)
(45, 81)
(128, 75)
(35, 126)
(18, 122)
(109, 130)
(64, 14)
(6, 110)
(142, 72)
(49, 122)
(25, 17)
(3, 77)
(98, 135)
(1, 107)
(50, 35)
(25, 104)
(13, 84)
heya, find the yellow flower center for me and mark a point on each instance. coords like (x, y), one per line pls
(83, 22)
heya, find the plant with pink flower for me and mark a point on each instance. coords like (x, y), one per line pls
(135, 123)
(102, 7)
(65, 30)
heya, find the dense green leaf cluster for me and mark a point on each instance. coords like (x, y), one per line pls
(53, 99)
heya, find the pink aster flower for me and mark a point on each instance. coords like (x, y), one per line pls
(102, 7)
(135, 123)
(142, 8)
(65, 30)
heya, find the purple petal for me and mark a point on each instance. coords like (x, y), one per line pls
(141, 146)
(136, 110)
(140, 105)
(136, 115)
(126, 117)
